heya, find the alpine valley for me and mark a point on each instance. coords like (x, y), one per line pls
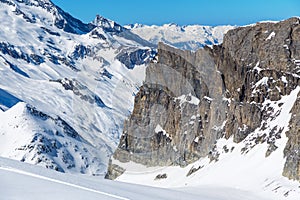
(198, 112)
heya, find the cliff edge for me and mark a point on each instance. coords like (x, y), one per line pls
(189, 100)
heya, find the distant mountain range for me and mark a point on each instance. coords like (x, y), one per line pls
(191, 37)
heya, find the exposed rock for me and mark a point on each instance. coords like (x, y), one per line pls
(61, 19)
(178, 111)
(161, 176)
(108, 25)
(80, 52)
(30, 19)
(81, 90)
(136, 57)
(50, 31)
(193, 170)
(114, 171)
(67, 129)
(17, 53)
(292, 149)
(191, 99)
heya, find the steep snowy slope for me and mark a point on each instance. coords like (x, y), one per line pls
(32, 136)
(191, 37)
(82, 75)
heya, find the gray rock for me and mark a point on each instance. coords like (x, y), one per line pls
(292, 149)
(191, 99)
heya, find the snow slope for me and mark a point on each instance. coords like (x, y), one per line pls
(191, 37)
(243, 166)
(31, 136)
(28, 182)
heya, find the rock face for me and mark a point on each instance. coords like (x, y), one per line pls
(191, 99)
(291, 151)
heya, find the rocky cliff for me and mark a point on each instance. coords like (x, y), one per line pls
(189, 100)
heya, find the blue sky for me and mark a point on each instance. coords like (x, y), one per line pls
(182, 12)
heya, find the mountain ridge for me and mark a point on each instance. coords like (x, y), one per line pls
(188, 37)
(245, 90)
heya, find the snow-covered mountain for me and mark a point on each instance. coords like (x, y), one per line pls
(65, 86)
(60, 75)
(190, 37)
(85, 75)
(226, 117)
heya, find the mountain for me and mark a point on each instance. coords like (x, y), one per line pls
(190, 37)
(222, 115)
(32, 136)
(65, 86)
(217, 122)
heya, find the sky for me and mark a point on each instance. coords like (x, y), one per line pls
(182, 12)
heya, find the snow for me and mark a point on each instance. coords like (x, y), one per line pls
(286, 46)
(297, 62)
(23, 135)
(159, 129)
(193, 117)
(28, 182)
(271, 36)
(257, 68)
(189, 98)
(283, 79)
(190, 37)
(263, 81)
(44, 185)
(42, 141)
(244, 167)
(208, 98)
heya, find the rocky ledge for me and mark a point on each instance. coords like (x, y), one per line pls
(189, 100)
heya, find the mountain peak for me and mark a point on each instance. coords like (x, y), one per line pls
(107, 25)
(133, 26)
(60, 19)
(45, 4)
(173, 24)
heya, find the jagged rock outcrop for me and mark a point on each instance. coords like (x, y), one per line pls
(132, 57)
(191, 99)
(81, 90)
